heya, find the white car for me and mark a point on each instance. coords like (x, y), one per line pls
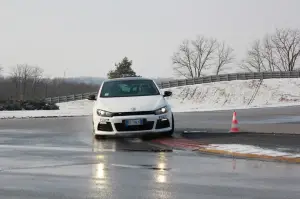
(131, 105)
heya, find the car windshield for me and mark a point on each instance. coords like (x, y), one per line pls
(128, 88)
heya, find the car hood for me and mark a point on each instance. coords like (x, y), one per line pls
(125, 104)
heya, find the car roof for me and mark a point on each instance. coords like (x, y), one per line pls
(127, 78)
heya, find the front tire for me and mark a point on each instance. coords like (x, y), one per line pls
(171, 132)
(93, 127)
(100, 137)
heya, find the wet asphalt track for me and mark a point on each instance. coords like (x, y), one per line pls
(58, 158)
(265, 120)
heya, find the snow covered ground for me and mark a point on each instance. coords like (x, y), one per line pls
(203, 97)
(236, 95)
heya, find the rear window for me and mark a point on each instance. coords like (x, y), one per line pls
(128, 88)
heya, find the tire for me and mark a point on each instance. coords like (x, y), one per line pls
(93, 128)
(171, 132)
(100, 137)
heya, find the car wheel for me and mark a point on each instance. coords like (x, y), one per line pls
(93, 128)
(170, 133)
(100, 137)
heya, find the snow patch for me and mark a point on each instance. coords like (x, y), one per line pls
(249, 149)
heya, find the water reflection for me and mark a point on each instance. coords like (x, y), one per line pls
(161, 166)
(100, 145)
(233, 164)
(160, 174)
(161, 178)
(99, 173)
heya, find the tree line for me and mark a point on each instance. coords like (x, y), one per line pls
(28, 82)
(278, 51)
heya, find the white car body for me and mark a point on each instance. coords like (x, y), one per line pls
(153, 111)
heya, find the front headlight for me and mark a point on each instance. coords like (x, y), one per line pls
(162, 110)
(103, 113)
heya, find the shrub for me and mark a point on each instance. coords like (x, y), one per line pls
(27, 105)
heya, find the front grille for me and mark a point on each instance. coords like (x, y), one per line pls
(134, 113)
(105, 127)
(148, 125)
(161, 124)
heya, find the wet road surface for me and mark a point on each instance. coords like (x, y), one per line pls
(265, 120)
(58, 158)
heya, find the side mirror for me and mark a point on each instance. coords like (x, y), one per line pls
(92, 97)
(167, 93)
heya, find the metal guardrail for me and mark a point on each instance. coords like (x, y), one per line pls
(200, 80)
(68, 98)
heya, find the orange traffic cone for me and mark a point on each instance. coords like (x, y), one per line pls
(234, 124)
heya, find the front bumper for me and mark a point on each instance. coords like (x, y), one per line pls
(116, 125)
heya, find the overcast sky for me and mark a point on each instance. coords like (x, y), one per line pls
(86, 37)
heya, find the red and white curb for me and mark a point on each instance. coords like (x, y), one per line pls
(179, 143)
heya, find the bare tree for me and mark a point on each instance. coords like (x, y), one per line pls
(27, 72)
(37, 75)
(12, 87)
(205, 49)
(268, 55)
(16, 77)
(21, 74)
(46, 84)
(279, 51)
(194, 56)
(183, 60)
(287, 47)
(224, 56)
(255, 58)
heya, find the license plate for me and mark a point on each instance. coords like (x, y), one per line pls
(134, 122)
